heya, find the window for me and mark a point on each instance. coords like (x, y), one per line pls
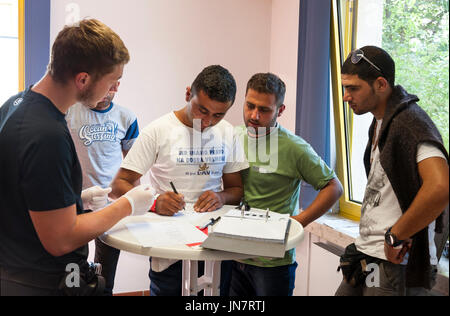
(12, 48)
(415, 33)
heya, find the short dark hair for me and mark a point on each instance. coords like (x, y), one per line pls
(366, 71)
(88, 46)
(218, 84)
(268, 83)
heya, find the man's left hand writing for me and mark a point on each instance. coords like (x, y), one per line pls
(208, 202)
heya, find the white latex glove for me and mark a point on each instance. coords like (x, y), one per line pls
(141, 199)
(95, 198)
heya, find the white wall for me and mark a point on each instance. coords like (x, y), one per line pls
(284, 53)
(9, 52)
(171, 41)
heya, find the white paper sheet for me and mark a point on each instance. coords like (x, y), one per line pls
(166, 234)
(189, 214)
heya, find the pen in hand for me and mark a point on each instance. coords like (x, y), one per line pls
(175, 191)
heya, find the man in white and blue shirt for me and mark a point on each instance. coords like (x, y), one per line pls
(102, 136)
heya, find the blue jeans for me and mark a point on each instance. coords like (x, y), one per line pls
(168, 282)
(248, 280)
(108, 257)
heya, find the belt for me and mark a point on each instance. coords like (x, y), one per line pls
(38, 279)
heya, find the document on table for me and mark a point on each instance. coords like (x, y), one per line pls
(166, 234)
(188, 214)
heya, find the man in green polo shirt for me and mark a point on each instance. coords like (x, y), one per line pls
(279, 162)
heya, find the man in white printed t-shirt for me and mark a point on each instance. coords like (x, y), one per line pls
(196, 150)
(407, 188)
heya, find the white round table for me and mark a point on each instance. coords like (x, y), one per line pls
(121, 237)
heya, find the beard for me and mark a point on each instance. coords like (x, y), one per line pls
(261, 130)
(86, 96)
(106, 102)
(368, 105)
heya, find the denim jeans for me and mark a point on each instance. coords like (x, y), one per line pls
(168, 282)
(248, 280)
(108, 257)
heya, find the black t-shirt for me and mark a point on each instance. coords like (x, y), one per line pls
(39, 171)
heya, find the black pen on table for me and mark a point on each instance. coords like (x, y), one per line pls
(175, 191)
(211, 222)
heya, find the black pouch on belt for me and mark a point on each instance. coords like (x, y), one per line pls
(353, 264)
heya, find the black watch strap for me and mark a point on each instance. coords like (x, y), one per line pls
(392, 240)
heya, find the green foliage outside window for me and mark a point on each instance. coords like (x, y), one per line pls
(416, 34)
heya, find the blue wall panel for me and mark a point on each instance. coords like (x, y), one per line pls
(37, 39)
(313, 90)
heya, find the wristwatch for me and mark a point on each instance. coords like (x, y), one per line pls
(392, 240)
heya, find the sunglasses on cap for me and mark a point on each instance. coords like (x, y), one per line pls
(358, 54)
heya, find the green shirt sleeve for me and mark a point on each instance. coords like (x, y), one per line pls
(311, 168)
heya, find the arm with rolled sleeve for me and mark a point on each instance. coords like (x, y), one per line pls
(315, 172)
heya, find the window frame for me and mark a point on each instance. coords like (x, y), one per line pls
(342, 45)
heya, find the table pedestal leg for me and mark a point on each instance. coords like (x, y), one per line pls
(210, 281)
